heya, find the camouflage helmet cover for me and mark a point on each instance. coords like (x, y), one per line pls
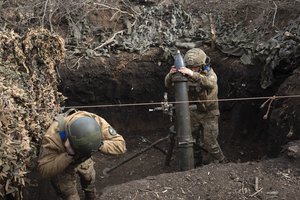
(195, 57)
(85, 136)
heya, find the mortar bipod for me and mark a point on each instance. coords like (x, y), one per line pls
(172, 134)
(110, 169)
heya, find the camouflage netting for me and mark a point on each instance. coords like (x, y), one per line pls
(156, 26)
(29, 101)
(124, 27)
(171, 26)
(159, 26)
(252, 48)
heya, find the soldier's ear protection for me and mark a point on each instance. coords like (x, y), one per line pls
(206, 67)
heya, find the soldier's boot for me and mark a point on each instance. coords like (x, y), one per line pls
(198, 159)
(219, 157)
(206, 157)
(90, 195)
(217, 153)
(197, 155)
(224, 160)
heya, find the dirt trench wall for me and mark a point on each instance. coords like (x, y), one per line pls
(122, 78)
(285, 118)
(141, 79)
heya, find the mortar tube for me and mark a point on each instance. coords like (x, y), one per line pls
(183, 121)
(183, 124)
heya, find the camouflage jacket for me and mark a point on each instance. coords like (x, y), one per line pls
(54, 159)
(202, 86)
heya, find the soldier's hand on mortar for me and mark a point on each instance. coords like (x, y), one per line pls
(173, 69)
(186, 71)
(69, 149)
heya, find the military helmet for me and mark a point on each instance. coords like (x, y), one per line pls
(195, 57)
(85, 136)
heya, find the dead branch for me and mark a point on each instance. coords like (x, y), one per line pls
(130, 7)
(109, 40)
(213, 31)
(44, 14)
(9, 22)
(112, 38)
(273, 23)
(255, 193)
(114, 8)
(50, 18)
(256, 184)
(77, 63)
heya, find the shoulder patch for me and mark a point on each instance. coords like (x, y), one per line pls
(112, 131)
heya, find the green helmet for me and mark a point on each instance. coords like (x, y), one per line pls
(84, 135)
(195, 57)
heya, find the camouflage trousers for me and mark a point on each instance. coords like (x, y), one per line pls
(205, 131)
(65, 183)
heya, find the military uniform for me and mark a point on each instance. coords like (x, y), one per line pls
(204, 120)
(55, 163)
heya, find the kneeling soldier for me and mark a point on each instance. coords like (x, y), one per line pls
(67, 148)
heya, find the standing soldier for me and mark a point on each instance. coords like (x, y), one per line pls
(67, 149)
(202, 82)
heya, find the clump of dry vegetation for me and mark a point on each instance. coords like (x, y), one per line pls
(29, 101)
